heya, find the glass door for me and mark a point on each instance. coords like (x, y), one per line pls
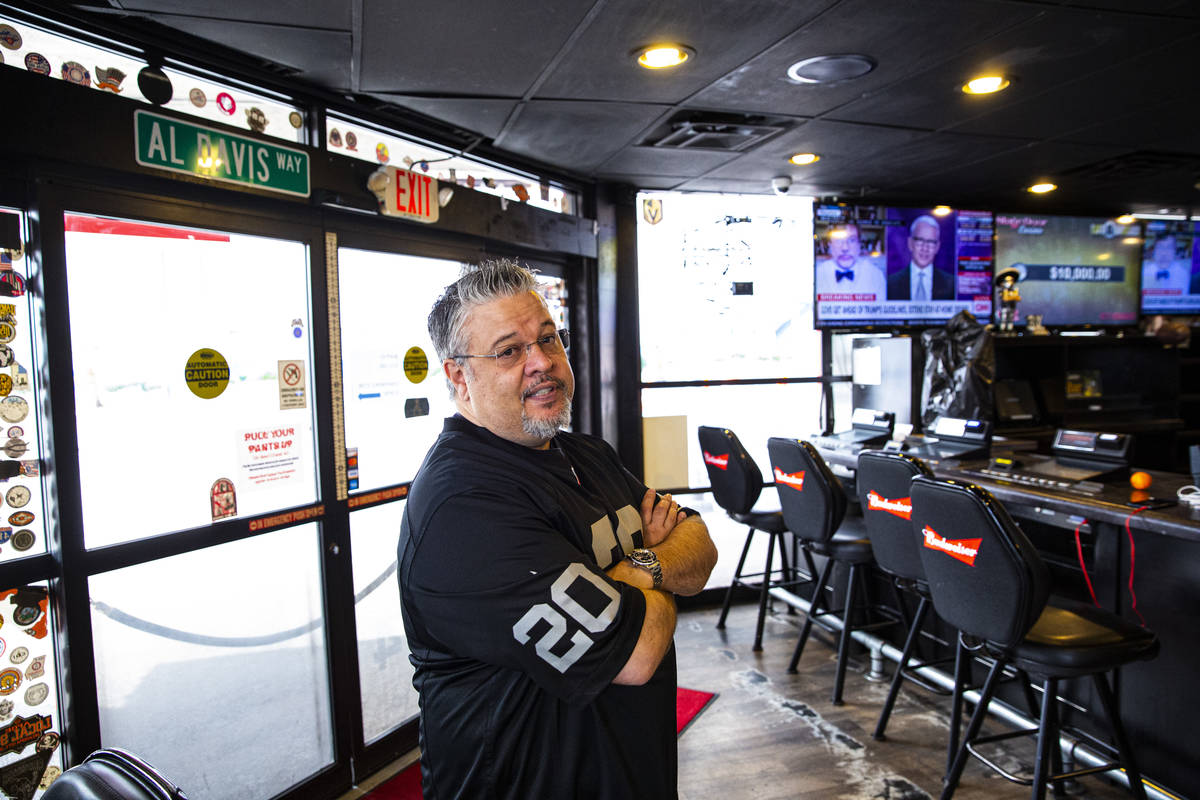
(193, 381)
(395, 400)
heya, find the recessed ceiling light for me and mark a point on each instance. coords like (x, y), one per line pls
(941, 211)
(830, 69)
(985, 84)
(1126, 219)
(800, 159)
(662, 56)
(1131, 240)
(1041, 188)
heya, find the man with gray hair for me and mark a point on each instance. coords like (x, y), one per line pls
(921, 279)
(536, 573)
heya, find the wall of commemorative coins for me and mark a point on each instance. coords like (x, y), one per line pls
(30, 725)
(22, 529)
(30, 759)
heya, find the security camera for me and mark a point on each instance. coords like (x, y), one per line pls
(781, 184)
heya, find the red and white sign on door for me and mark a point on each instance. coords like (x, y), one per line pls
(405, 194)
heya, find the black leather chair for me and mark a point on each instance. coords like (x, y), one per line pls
(736, 484)
(814, 505)
(987, 580)
(884, 491)
(113, 774)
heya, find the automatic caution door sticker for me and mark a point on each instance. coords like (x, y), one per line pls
(206, 373)
(416, 364)
(291, 385)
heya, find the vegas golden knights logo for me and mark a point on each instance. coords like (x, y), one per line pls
(652, 210)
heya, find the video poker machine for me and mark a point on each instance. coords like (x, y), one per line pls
(952, 438)
(867, 427)
(1077, 456)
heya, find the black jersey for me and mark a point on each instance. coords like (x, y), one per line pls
(515, 631)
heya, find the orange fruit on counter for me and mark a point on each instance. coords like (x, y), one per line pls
(1140, 480)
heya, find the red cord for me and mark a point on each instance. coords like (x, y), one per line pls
(1083, 566)
(1132, 595)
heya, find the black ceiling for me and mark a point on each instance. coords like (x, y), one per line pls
(1101, 100)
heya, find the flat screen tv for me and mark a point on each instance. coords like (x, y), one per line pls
(1171, 267)
(890, 267)
(1075, 272)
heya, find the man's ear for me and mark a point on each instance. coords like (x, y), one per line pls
(456, 373)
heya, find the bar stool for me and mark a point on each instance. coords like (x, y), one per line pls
(884, 480)
(813, 505)
(736, 484)
(987, 580)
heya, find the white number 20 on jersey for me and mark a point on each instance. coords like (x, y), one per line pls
(560, 594)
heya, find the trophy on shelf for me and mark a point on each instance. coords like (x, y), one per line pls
(1008, 295)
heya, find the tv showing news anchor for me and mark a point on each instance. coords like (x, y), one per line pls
(882, 266)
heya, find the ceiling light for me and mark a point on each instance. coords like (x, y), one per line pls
(985, 84)
(1131, 240)
(800, 159)
(1126, 219)
(1041, 188)
(941, 211)
(830, 69)
(661, 56)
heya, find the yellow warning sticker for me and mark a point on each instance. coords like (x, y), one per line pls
(416, 364)
(207, 373)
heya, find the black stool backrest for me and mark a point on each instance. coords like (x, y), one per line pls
(736, 480)
(810, 496)
(985, 577)
(885, 492)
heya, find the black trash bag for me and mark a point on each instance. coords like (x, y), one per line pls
(960, 364)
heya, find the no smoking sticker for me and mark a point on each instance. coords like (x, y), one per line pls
(291, 385)
(416, 364)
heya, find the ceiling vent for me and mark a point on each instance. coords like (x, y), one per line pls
(727, 132)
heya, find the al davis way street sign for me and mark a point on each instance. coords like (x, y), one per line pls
(170, 144)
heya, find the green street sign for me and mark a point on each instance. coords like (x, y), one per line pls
(170, 144)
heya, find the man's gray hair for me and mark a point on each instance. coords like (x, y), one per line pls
(478, 284)
(928, 220)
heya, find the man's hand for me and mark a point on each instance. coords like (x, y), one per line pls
(659, 517)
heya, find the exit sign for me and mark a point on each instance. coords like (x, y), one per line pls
(407, 194)
(170, 144)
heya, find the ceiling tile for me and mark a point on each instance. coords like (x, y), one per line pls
(481, 49)
(583, 135)
(903, 38)
(724, 33)
(320, 56)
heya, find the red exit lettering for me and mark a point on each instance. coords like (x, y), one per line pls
(416, 188)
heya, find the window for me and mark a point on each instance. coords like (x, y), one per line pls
(106, 69)
(193, 386)
(212, 665)
(361, 140)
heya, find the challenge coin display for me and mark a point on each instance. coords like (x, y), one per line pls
(13, 408)
(18, 496)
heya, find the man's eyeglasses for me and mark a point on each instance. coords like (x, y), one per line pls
(551, 344)
(925, 242)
